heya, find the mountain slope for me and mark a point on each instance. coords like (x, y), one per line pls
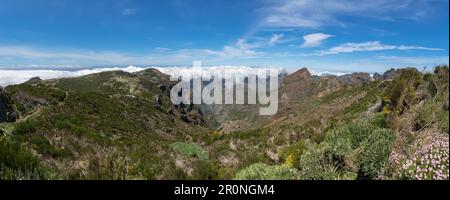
(118, 125)
(84, 127)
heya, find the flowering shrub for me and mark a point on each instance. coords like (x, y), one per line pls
(429, 163)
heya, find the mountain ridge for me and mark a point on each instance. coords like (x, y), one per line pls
(120, 125)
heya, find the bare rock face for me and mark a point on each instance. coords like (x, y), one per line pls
(359, 78)
(296, 84)
(302, 74)
(391, 73)
(377, 77)
(327, 85)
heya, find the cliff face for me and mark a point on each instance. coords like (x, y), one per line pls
(296, 84)
(7, 113)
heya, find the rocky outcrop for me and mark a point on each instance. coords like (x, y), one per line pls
(34, 80)
(327, 85)
(390, 74)
(355, 79)
(302, 74)
(296, 84)
(377, 77)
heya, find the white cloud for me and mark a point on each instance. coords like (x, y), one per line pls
(28, 53)
(240, 49)
(327, 72)
(129, 11)
(10, 76)
(369, 46)
(315, 39)
(417, 60)
(313, 13)
(403, 47)
(275, 39)
(25, 55)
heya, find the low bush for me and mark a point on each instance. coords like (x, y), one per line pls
(376, 150)
(260, 171)
(346, 150)
(339, 141)
(25, 127)
(293, 154)
(191, 149)
(43, 146)
(311, 163)
(16, 162)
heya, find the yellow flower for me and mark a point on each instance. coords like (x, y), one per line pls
(289, 161)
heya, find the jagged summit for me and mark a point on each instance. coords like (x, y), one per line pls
(34, 80)
(301, 74)
(392, 73)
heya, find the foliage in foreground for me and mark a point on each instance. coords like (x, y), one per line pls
(17, 162)
(260, 171)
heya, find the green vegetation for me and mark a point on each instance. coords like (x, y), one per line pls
(6, 128)
(107, 126)
(260, 171)
(17, 162)
(186, 149)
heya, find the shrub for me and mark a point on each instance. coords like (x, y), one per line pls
(347, 150)
(426, 115)
(360, 131)
(431, 113)
(190, 150)
(293, 154)
(25, 127)
(377, 148)
(311, 164)
(339, 141)
(378, 120)
(16, 162)
(43, 146)
(343, 140)
(260, 171)
(204, 170)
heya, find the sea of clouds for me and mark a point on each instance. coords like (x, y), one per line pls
(17, 76)
(14, 76)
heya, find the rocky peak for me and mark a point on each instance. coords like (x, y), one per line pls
(296, 84)
(33, 80)
(302, 74)
(377, 76)
(358, 78)
(391, 73)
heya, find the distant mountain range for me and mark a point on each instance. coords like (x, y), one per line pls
(17, 75)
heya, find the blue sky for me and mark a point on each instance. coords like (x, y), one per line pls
(363, 35)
